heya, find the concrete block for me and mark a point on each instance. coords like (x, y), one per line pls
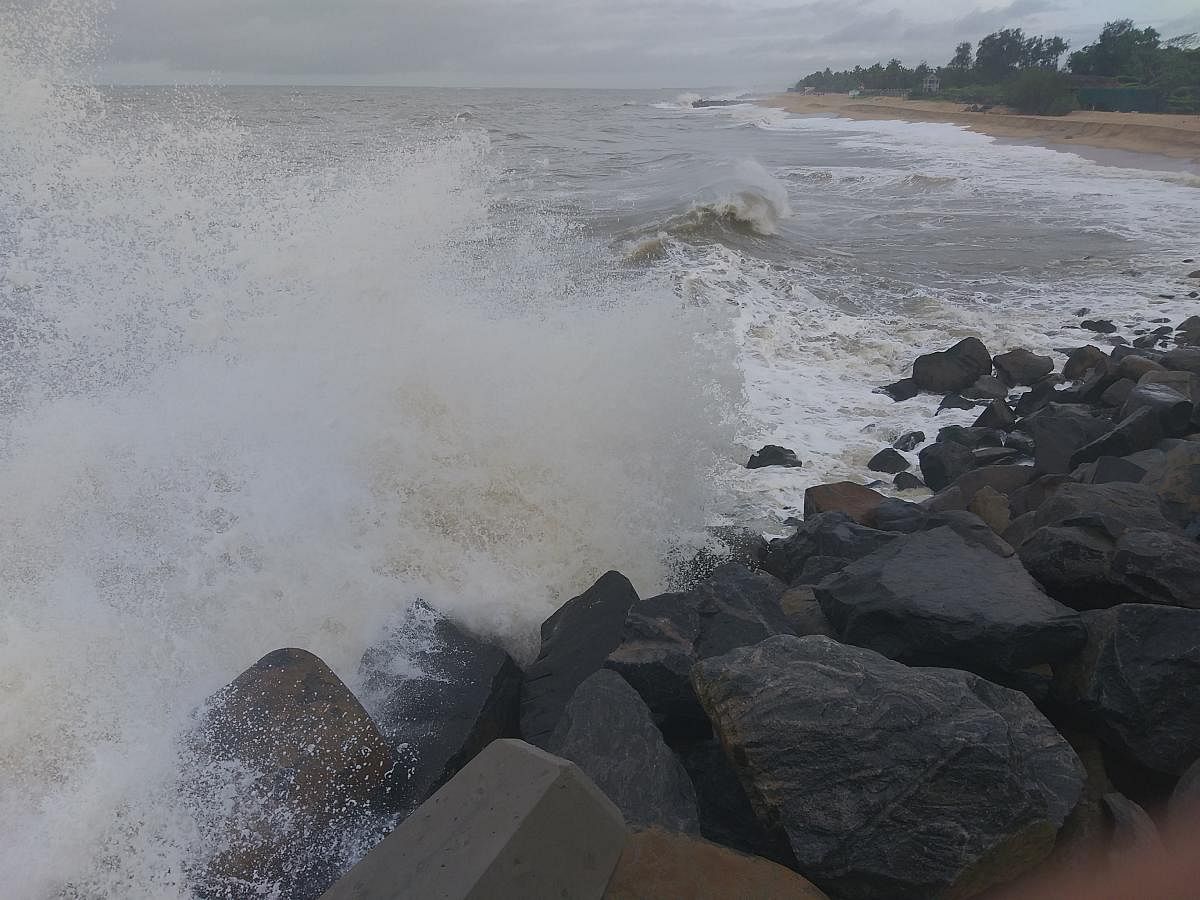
(516, 824)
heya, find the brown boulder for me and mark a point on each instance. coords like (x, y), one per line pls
(284, 769)
(858, 502)
(656, 865)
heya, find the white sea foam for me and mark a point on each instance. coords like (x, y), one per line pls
(245, 407)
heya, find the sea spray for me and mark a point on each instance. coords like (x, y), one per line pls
(247, 405)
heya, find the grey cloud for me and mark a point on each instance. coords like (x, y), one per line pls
(557, 42)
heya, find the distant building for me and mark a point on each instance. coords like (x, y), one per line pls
(933, 84)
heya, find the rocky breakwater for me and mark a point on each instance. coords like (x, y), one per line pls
(938, 699)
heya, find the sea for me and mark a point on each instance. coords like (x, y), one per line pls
(277, 361)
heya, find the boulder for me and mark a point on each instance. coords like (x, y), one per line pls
(1022, 367)
(1082, 360)
(907, 481)
(933, 599)
(904, 389)
(1158, 567)
(1174, 409)
(1177, 483)
(1189, 330)
(1108, 469)
(1182, 359)
(607, 731)
(972, 438)
(888, 782)
(1033, 495)
(1059, 436)
(992, 507)
(575, 642)
(1074, 565)
(440, 695)
(515, 823)
(1134, 366)
(832, 535)
(954, 401)
(909, 441)
(1109, 508)
(997, 415)
(954, 369)
(657, 865)
(1002, 479)
(888, 461)
(1045, 391)
(944, 462)
(1141, 430)
(995, 456)
(803, 612)
(774, 455)
(290, 772)
(855, 500)
(726, 816)
(1118, 392)
(1184, 383)
(663, 637)
(1099, 326)
(988, 387)
(1136, 682)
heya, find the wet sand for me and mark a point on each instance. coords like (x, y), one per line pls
(1175, 136)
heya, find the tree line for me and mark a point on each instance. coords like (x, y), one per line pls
(1122, 54)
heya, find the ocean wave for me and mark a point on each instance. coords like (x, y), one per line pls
(256, 405)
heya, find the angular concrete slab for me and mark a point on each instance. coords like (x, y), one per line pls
(516, 823)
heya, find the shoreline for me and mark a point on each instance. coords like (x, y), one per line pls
(1175, 137)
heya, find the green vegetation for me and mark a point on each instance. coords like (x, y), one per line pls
(1125, 68)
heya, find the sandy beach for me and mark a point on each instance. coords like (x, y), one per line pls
(1176, 136)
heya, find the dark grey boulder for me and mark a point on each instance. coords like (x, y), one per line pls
(909, 518)
(440, 696)
(954, 369)
(663, 637)
(954, 401)
(972, 438)
(1037, 397)
(1141, 430)
(910, 441)
(1074, 565)
(1134, 364)
(944, 462)
(888, 461)
(1059, 436)
(1176, 483)
(907, 481)
(774, 455)
(995, 456)
(1110, 508)
(1158, 567)
(1137, 681)
(932, 598)
(997, 415)
(656, 655)
(575, 642)
(1118, 392)
(831, 534)
(1002, 479)
(726, 816)
(1038, 491)
(1182, 359)
(1100, 326)
(885, 782)
(988, 387)
(607, 731)
(1022, 367)
(904, 389)
(804, 612)
(1108, 469)
(1082, 360)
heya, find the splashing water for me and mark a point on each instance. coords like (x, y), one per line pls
(245, 407)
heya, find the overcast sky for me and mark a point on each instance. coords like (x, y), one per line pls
(572, 43)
